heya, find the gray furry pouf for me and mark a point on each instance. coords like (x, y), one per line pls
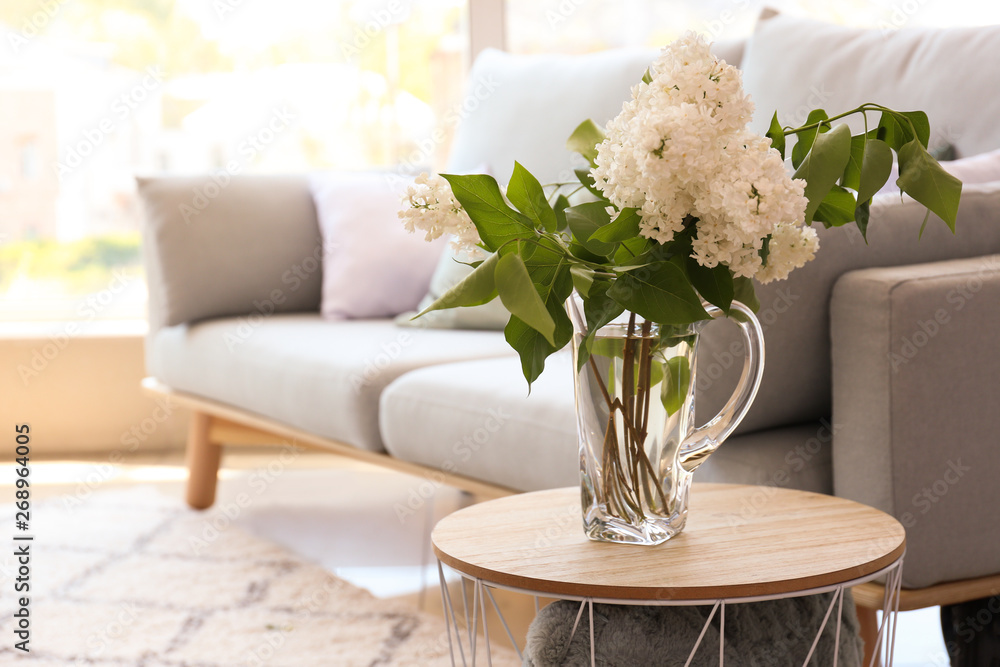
(759, 634)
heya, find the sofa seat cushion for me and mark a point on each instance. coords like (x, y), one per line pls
(477, 419)
(792, 457)
(322, 377)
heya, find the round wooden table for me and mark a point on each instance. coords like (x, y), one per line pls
(741, 544)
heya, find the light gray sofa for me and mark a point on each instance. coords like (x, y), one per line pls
(234, 309)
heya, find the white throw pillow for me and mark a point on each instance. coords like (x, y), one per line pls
(372, 267)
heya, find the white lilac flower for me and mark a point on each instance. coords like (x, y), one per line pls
(431, 207)
(680, 148)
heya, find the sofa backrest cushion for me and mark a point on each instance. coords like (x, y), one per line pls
(524, 107)
(795, 313)
(217, 248)
(794, 65)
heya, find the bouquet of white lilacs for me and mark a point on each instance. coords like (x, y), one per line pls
(685, 205)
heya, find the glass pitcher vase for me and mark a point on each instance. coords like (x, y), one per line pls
(635, 405)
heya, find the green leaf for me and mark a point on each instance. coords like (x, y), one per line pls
(584, 220)
(629, 249)
(777, 135)
(920, 124)
(497, 222)
(895, 128)
(861, 215)
(477, 288)
(805, 140)
(714, 284)
(923, 225)
(554, 286)
(583, 175)
(765, 249)
(745, 293)
(611, 348)
(525, 192)
(921, 177)
(823, 165)
(585, 139)
(599, 309)
(531, 346)
(837, 208)
(647, 78)
(676, 383)
(559, 209)
(583, 278)
(852, 172)
(661, 294)
(625, 226)
(518, 294)
(875, 169)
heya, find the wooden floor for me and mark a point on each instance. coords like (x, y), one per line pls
(366, 524)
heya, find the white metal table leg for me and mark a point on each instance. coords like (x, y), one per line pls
(593, 654)
(840, 622)
(446, 607)
(722, 632)
(486, 625)
(822, 627)
(704, 629)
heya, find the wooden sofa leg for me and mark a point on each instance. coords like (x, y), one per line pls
(868, 619)
(203, 457)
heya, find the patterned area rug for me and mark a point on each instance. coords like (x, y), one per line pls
(136, 578)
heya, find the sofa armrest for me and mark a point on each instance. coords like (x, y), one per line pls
(916, 392)
(224, 245)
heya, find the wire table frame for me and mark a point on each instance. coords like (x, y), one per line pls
(485, 545)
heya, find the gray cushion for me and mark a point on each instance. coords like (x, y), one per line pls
(793, 65)
(322, 377)
(795, 312)
(916, 392)
(229, 247)
(794, 457)
(477, 419)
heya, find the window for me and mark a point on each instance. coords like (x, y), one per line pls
(93, 92)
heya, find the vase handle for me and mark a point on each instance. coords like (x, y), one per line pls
(704, 440)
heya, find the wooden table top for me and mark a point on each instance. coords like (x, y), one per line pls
(740, 541)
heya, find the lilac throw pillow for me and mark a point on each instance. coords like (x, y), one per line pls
(372, 267)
